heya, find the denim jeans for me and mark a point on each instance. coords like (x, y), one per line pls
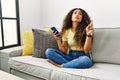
(74, 59)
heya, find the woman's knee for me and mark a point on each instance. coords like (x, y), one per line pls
(87, 62)
(84, 58)
(49, 52)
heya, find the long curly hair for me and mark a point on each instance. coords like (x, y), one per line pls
(80, 34)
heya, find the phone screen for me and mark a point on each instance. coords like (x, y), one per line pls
(54, 30)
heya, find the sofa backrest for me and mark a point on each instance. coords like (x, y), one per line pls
(106, 45)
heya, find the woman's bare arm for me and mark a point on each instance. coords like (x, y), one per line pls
(63, 45)
(88, 42)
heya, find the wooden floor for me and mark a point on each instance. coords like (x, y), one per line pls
(8, 76)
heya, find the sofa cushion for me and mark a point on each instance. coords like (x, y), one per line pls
(42, 41)
(106, 47)
(27, 43)
(37, 67)
(100, 71)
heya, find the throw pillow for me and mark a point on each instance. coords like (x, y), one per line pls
(48, 30)
(27, 43)
(42, 41)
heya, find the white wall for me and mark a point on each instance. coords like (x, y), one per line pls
(47, 13)
(29, 14)
(104, 13)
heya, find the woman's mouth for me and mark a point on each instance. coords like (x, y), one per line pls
(76, 17)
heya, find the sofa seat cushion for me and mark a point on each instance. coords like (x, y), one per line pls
(99, 71)
(41, 68)
(33, 66)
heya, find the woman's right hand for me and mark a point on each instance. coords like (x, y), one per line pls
(56, 36)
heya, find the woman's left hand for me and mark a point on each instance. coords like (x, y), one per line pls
(89, 28)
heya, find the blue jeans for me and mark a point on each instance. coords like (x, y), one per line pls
(75, 59)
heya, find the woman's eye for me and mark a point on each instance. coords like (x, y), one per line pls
(75, 12)
(80, 13)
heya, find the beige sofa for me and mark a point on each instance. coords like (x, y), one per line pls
(106, 58)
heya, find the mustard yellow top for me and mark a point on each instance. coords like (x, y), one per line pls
(69, 37)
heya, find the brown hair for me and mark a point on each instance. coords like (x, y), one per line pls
(80, 34)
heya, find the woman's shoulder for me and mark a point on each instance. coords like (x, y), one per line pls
(68, 30)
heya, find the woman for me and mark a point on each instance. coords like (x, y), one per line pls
(75, 42)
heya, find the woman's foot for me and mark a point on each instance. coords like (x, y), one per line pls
(58, 65)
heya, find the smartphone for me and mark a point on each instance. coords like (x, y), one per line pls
(55, 30)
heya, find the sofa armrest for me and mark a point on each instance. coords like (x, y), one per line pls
(5, 54)
(11, 52)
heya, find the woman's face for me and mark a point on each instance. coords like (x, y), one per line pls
(77, 16)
